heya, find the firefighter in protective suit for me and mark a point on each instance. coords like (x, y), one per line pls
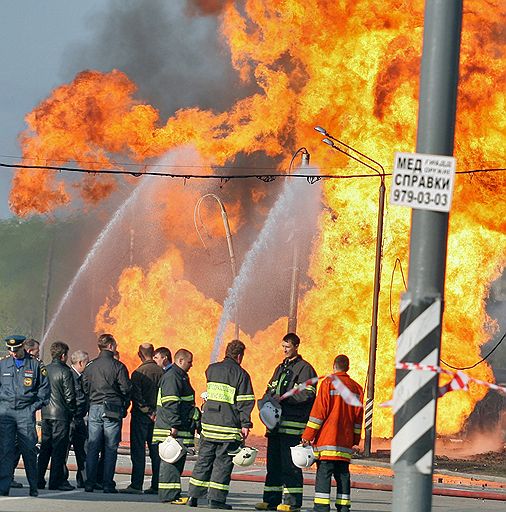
(175, 416)
(334, 427)
(284, 481)
(226, 420)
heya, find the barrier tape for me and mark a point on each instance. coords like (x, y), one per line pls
(459, 381)
(344, 391)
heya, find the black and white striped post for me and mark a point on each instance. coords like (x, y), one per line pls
(419, 339)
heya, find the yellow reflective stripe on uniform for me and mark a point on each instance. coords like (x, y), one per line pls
(268, 488)
(343, 500)
(332, 453)
(245, 398)
(220, 392)
(162, 485)
(221, 487)
(290, 431)
(159, 397)
(292, 424)
(188, 398)
(312, 424)
(357, 430)
(221, 437)
(220, 428)
(184, 433)
(170, 398)
(322, 501)
(311, 388)
(292, 490)
(198, 483)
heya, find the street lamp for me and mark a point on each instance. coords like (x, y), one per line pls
(196, 216)
(371, 373)
(294, 288)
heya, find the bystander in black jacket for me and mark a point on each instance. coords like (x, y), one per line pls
(62, 403)
(145, 381)
(81, 398)
(105, 379)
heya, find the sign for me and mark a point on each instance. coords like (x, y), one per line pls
(423, 181)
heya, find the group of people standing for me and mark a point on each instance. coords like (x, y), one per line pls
(163, 407)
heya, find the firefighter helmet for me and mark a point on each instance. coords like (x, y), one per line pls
(171, 450)
(270, 415)
(302, 456)
(244, 456)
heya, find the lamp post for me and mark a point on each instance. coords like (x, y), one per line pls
(196, 215)
(294, 287)
(371, 372)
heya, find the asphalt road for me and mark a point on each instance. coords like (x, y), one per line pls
(243, 496)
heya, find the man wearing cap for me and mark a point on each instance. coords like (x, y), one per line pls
(24, 389)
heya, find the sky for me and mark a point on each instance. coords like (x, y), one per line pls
(44, 44)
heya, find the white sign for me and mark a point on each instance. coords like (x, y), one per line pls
(423, 181)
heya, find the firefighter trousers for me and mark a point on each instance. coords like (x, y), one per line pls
(341, 471)
(213, 470)
(283, 482)
(169, 483)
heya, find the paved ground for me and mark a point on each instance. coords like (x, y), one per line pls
(243, 496)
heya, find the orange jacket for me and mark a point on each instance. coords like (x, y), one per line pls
(334, 426)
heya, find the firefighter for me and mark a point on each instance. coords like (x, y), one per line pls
(24, 389)
(334, 427)
(175, 416)
(284, 481)
(226, 422)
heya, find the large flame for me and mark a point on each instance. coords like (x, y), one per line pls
(353, 68)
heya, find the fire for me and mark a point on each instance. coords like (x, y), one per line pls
(353, 68)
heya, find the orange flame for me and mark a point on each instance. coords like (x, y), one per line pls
(353, 68)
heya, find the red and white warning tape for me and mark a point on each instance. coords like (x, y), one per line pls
(459, 381)
(344, 391)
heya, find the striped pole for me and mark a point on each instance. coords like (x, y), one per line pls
(419, 341)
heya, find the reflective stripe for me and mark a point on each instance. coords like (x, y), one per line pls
(318, 421)
(292, 424)
(188, 398)
(169, 486)
(315, 426)
(332, 453)
(322, 501)
(357, 430)
(290, 431)
(221, 487)
(311, 388)
(221, 437)
(184, 433)
(198, 483)
(335, 448)
(343, 496)
(273, 489)
(322, 495)
(220, 428)
(220, 392)
(159, 397)
(293, 490)
(343, 502)
(245, 398)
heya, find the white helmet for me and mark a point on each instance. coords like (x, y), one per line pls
(302, 456)
(171, 450)
(270, 415)
(245, 456)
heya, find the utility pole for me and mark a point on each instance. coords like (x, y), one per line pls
(294, 288)
(421, 308)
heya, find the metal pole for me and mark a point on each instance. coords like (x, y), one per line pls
(371, 373)
(46, 292)
(419, 340)
(294, 288)
(230, 245)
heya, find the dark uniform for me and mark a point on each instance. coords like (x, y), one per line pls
(56, 419)
(24, 389)
(284, 481)
(226, 411)
(78, 428)
(176, 409)
(145, 381)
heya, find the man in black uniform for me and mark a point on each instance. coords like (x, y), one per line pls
(56, 418)
(24, 389)
(175, 416)
(281, 471)
(78, 429)
(226, 421)
(108, 387)
(145, 381)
